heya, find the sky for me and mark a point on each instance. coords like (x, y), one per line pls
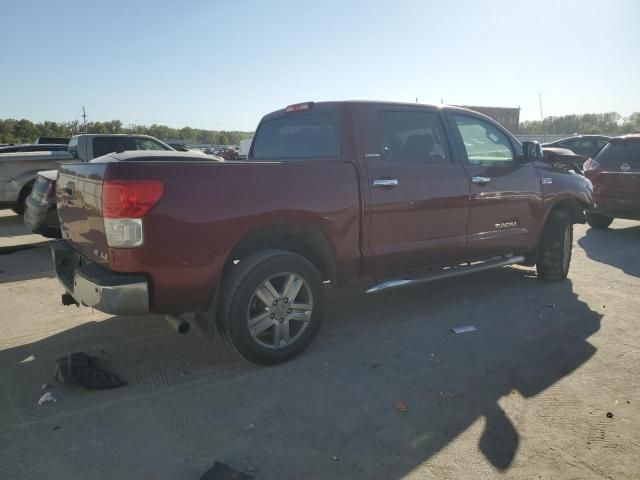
(224, 64)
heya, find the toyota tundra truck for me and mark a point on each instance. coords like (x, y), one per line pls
(384, 194)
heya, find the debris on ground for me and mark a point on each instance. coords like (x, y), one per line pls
(551, 305)
(335, 458)
(47, 398)
(450, 396)
(251, 426)
(609, 415)
(81, 369)
(401, 406)
(220, 471)
(464, 329)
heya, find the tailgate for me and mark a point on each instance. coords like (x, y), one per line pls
(79, 200)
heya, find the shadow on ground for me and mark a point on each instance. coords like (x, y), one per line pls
(617, 247)
(189, 403)
(25, 262)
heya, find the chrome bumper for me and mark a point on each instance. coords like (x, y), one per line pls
(94, 286)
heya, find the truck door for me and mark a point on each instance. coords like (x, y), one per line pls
(418, 197)
(506, 203)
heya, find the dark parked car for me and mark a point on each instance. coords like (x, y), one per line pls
(332, 192)
(40, 214)
(585, 145)
(615, 174)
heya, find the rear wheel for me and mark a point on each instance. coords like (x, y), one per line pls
(26, 191)
(596, 220)
(554, 256)
(271, 306)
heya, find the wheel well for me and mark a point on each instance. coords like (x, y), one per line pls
(574, 207)
(26, 188)
(307, 242)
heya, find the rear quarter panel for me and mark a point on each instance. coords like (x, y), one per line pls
(208, 207)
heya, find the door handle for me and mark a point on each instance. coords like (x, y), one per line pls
(385, 182)
(481, 180)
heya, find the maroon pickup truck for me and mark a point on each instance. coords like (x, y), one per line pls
(331, 193)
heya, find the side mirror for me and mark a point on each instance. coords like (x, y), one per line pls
(532, 152)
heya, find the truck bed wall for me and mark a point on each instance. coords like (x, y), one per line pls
(207, 208)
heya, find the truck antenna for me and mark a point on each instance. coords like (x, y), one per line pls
(544, 135)
(84, 120)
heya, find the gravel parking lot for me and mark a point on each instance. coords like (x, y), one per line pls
(547, 387)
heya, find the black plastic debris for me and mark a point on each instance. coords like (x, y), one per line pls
(81, 369)
(220, 471)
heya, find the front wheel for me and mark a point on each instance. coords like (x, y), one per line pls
(596, 220)
(271, 306)
(554, 256)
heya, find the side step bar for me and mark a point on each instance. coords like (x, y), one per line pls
(448, 273)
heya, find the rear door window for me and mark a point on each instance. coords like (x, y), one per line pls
(616, 153)
(416, 137)
(148, 144)
(105, 145)
(298, 137)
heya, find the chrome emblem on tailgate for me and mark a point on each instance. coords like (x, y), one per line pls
(625, 167)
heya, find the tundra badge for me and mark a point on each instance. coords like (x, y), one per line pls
(504, 225)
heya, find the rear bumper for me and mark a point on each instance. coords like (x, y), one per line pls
(94, 286)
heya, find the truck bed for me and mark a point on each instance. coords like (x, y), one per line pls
(205, 210)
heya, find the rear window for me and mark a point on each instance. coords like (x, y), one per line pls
(298, 137)
(617, 153)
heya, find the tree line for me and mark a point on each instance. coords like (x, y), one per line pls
(25, 131)
(606, 123)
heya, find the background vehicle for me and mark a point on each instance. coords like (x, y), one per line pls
(40, 213)
(18, 170)
(50, 140)
(228, 153)
(396, 194)
(243, 148)
(585, 145)
(615, 174)
(32, 147)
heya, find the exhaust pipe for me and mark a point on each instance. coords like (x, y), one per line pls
(179, 325)
(67, 300)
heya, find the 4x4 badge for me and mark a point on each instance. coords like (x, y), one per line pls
(625, 167)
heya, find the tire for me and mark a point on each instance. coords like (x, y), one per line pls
(595, 220)
(24, 193)
(244, 298)
(554, 256)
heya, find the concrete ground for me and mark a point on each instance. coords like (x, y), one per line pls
(385, 392)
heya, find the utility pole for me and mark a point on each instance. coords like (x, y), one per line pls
(84, 120)
(544, 135)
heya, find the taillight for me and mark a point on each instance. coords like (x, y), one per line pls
(124, 203)
(49, 195)
(590, 164)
